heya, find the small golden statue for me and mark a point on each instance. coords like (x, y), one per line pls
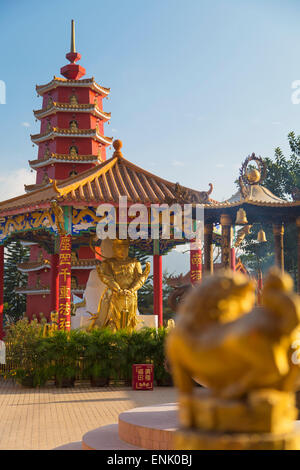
(52, 326)
(123, 277)
(50, 103)
(73, 100)
(73, 152)
(243, 355)
(73, 126)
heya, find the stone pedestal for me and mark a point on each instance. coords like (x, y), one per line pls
(265, 419)
(200, 440)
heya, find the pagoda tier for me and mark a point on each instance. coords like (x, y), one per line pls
(88, 83)
(31, 266)
(53, 108)
(45, 290)
(54, 157)
(81, 133)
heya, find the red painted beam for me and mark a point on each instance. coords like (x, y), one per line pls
(1, 289)
(157, 288)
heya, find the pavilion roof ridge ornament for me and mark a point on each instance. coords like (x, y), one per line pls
(183, 195)
(53, 182)
(252, 176)
(73, 71)
(117, 144)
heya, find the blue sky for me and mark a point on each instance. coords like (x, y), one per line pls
(195, 86)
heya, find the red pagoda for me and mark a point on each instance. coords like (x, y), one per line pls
(71, 140)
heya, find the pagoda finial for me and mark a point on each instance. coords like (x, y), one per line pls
(73, 71)
(73, 49)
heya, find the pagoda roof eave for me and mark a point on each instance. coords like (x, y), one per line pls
(63, 82)
(65, 107)
(82, 133)
(33, 266)
(57, 158)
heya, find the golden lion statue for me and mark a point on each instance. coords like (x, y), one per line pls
(240, 352)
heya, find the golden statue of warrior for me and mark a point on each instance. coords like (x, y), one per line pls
(123, 277)
(243, 355)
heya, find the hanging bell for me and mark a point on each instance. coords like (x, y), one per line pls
(261, 236)
(241, 217)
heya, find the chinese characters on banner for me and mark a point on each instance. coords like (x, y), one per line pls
(64, 294)
(142, 376)
(196, 264)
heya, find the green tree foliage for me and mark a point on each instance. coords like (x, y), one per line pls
(14, 304)
(144, 294)
(283, 179)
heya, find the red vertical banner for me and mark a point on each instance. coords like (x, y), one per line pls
(195, 263)
(64, 270)
(54, 282)
(1, 288)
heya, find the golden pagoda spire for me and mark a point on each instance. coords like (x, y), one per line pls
(73, 49)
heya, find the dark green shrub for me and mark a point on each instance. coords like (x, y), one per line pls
(99, 355)
(161, 369)
(65, 350)
(25, 352)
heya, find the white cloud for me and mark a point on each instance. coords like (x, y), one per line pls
(12, 182)
(25, 124)
(220, 165)
(177, 163)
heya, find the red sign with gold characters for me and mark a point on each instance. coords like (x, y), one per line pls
(196, 264)
(142, 376)
(64, 294)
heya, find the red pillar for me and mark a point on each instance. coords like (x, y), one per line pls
(195, 263)
(157, 288)
(232, 259)
(64, 310)
(54, 282)
(1, 288)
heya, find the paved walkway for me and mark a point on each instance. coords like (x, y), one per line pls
(50, 417)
